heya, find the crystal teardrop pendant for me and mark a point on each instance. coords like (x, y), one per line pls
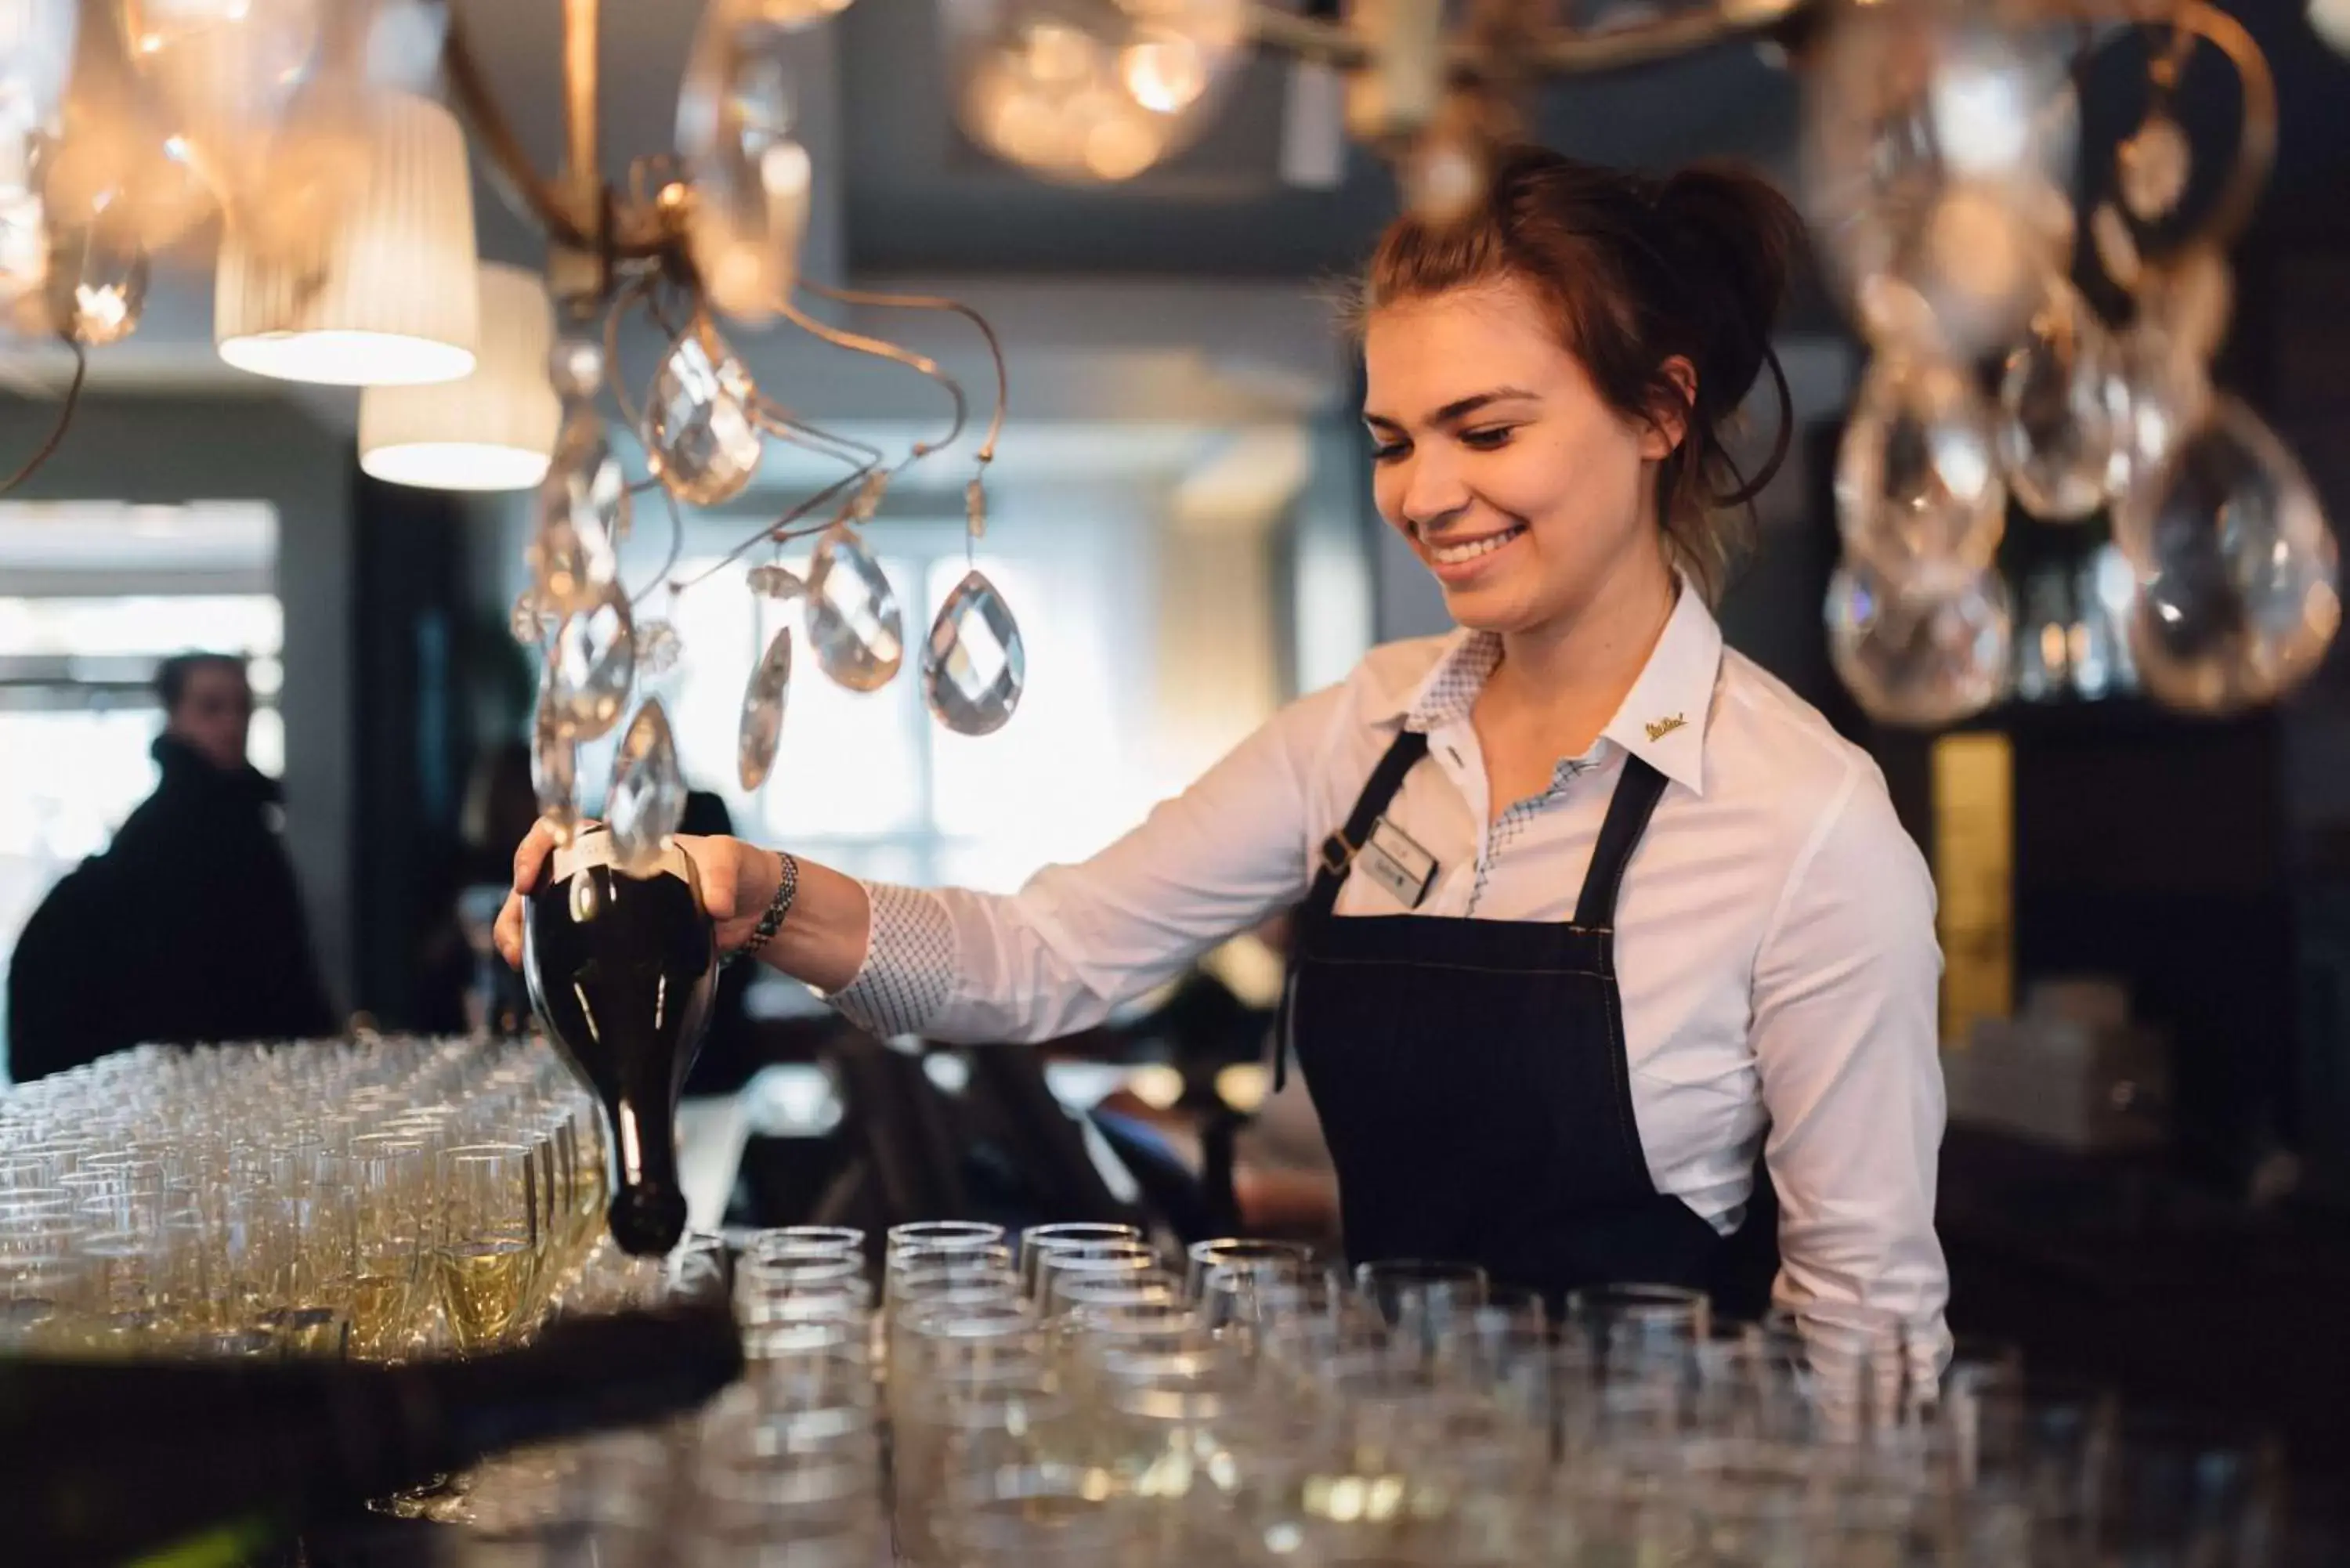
(554, 770)
(648, 794)
(1936, 148)
(592, 667)
(2062, 410)
(1919, 656)
(736, 110)
(852, 614)
(700, 437)
(2238, 596)
(763, 711)
(1917, 483)
(973, 666)
(582, 508)
(657, 648)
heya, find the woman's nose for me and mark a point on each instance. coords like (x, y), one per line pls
(1433, 491)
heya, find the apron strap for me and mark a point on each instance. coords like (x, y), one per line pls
(1336, 858)
(1338, 850)
(1637, 794)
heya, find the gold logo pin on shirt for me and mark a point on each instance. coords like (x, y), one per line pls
(1658, 729)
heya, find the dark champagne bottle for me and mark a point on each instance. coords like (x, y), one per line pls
(621, 970)
(110, 1461)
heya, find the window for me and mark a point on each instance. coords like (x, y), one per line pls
(89, 612)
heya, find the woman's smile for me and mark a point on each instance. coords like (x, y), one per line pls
(1459, 558)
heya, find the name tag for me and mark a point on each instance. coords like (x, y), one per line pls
(1391, 859)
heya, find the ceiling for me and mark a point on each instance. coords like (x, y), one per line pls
(902, 195)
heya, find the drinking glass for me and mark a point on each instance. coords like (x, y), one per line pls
(489, 1245)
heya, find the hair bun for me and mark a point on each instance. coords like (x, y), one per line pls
(1736, 237)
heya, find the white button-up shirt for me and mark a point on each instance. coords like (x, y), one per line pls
(1775, 934)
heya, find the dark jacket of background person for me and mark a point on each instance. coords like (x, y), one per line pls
(188, 928)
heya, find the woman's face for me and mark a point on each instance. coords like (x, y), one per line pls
(1498, 459)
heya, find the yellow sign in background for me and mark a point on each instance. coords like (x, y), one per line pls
(1974, 876)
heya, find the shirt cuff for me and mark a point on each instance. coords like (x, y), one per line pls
(909, 973)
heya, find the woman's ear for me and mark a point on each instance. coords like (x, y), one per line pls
(1674, 396)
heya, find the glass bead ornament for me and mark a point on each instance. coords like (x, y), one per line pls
(772, 582)
(646, 800)
(575, 367)
(582, 508)
(1086, 92)
(1937, 151)
(2151, 167)
(762, 730)
(592, 667)
(530, 621)
(701, 440)
(1919, 656)
(2063, 410)
(2239, 592)
(97, 276)
(853, 620)
(1917, 489)
(736, 110)
(658, 649)
(975, 668)
(554, 765)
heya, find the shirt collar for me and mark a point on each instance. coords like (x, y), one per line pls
(1663, 718)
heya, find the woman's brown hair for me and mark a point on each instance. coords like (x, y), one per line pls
(1635, 270)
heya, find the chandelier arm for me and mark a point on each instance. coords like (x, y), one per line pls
(1324, 42)
(940, 302)
(780, 529)
(1562, 52)
(615, 374)
(859, 343)
(2256, 141)
(1553, 51)
(583, 177)
(48, 447)
(528, 193)
(785, 425)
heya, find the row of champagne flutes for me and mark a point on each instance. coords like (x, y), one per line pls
(1071, 1395)
(376, 1198)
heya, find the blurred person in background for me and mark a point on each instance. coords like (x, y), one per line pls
(190, 927)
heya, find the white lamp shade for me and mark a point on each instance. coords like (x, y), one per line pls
(492, 429)
(389, 298)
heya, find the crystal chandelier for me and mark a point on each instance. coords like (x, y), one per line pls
(1940, 172)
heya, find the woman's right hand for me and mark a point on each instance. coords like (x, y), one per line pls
(738, 882)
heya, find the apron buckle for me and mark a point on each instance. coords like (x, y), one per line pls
(1337, 854)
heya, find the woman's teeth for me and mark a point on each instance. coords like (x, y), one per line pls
(1453, 554)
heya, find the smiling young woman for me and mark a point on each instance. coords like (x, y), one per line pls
(1590, 910)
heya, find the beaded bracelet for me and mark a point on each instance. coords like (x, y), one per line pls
(778, 907)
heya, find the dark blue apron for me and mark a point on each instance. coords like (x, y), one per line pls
(1471, 1080)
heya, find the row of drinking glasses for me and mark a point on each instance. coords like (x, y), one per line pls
(1071, 1395)
(378, 1198)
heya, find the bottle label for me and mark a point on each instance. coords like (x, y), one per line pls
(594, 847)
